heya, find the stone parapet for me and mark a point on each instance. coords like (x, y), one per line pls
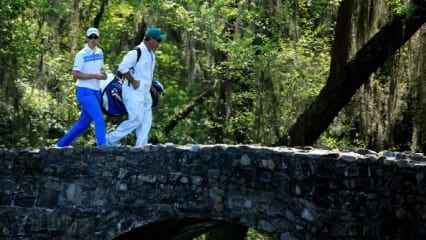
(290, 193)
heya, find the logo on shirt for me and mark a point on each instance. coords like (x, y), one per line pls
(93, 57)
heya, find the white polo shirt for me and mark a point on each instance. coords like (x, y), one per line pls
(89, 61)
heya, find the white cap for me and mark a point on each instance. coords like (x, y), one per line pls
(91, 31)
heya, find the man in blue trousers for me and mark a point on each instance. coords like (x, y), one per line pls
(87, 68)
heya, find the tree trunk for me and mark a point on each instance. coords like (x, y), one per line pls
(419, 94)
(335, 95)
(342, 41)
(98, 18)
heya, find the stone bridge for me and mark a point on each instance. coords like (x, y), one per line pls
(178, 192)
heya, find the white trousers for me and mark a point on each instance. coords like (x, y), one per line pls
(138, 105)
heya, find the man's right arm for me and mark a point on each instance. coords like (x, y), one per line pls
(128, 62)
(131, 80)
(82, 76)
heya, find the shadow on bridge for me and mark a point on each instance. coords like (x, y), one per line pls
(186, 229)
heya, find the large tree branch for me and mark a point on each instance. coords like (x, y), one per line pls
(336, 94)
(185, 112)
(98, 18)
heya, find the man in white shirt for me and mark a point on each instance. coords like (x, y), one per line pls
(87, 68)
(136, 89)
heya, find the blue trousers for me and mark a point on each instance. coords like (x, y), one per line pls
(89, 100)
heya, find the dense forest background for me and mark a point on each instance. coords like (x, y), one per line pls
(249, 72)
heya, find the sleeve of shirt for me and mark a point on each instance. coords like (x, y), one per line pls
(128, 62)
(78, 62)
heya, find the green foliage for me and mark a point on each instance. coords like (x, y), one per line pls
(252, 234)
(296, 71)
(118, 30)
(341, 135)
(400, 7)
(32, 123)
(263, 63)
